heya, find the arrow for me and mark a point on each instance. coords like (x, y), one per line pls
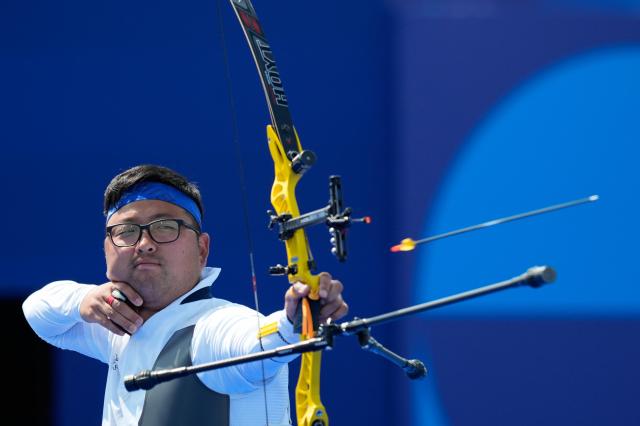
(409, 244)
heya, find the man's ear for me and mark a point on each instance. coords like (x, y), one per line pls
(203, 248)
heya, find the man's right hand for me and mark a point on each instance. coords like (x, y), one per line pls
(101, 307)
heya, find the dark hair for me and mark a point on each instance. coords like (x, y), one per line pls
(149, 173)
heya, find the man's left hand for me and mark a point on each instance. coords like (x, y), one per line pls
(331, 302)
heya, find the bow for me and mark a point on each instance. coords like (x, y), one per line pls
(290, 163)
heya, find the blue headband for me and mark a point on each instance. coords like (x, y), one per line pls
(157, 191)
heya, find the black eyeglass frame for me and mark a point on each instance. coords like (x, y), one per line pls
(180, 223)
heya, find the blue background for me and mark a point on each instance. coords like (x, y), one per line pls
(437, 114)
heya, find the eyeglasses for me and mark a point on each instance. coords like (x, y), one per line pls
(161, 231)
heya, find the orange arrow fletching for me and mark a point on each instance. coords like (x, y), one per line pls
(405, 245)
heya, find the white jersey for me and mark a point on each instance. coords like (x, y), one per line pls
(220, 329)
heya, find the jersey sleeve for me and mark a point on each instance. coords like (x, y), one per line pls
(232, 331)
(53, 313)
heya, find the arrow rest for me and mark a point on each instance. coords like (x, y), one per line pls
(283, 270)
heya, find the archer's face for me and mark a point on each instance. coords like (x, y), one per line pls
(158, 272)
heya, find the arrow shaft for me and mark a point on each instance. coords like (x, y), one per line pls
(509, 219)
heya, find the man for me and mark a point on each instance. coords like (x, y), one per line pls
(157, 311)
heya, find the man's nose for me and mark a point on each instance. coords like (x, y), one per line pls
(146, 243)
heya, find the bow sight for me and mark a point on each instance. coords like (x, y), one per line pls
(334, 215)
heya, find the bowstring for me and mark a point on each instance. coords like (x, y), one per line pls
(243, 191)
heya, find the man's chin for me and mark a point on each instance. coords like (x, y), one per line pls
(145, 274)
